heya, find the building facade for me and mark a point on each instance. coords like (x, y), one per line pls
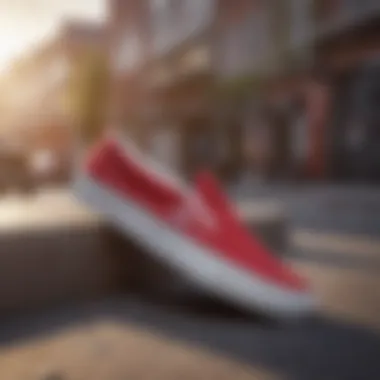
(307, 72)
(348, 49)
(161, 94)
(128, 51)
(38, 115)
(250, 86)
(181, 82)
(262, 50)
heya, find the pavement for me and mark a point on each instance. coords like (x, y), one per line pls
(132, 337)
(325, 208)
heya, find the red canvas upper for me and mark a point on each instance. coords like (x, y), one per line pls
(204, 215)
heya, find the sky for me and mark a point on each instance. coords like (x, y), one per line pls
(25, 23)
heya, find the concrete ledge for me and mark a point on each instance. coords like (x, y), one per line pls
(52, 252)
(45, 268)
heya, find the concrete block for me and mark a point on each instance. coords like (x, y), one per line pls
(67, 254)
(48, 267)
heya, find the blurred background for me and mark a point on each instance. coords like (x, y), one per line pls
(272, 91)
(279, 98)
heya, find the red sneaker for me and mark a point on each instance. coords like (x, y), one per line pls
(194, 230)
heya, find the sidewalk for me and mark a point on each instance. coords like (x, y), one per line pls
(326, 208)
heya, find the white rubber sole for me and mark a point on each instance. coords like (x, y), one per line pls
(200, 265)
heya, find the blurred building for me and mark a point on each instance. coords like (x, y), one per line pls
(308, 75)
(263, 56)
(33, 87)
(129, 49)
(348, 50)
(36, 109)
(281, 90)
(181, 82)
(163, 74)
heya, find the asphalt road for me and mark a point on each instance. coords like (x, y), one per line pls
(343, 342)
(342, 209)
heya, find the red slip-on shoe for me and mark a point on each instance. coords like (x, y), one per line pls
(193, 230)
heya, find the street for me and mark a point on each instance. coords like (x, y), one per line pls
(115, 338)
(327, 208)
